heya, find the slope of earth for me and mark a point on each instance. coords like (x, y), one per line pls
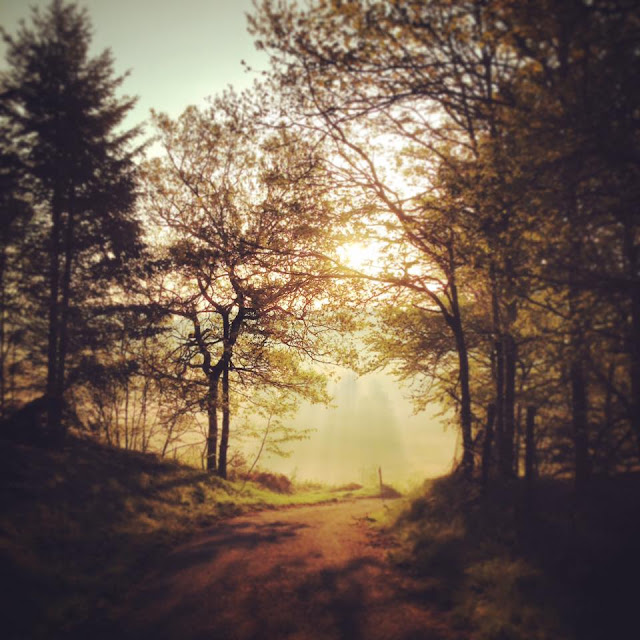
(315, 572)
(80, 525)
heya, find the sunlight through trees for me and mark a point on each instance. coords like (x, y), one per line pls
(446, 191)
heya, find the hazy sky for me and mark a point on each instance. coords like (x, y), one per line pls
(179, 52)
(370, 425)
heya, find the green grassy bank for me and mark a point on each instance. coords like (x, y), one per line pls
(564, 567)
(79, 527)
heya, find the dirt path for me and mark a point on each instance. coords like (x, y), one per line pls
(306, 573)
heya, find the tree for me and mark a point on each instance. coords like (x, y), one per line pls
(500, 118)
(422, 76)
(117, 395)
(15, 211)
(575, 111)
(63, 107)
(243, 216)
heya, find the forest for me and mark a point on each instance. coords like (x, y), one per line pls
(484, 155)
(447, 190)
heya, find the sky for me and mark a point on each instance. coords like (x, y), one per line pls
(178, 53)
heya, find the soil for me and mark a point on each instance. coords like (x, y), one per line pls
(305, 573)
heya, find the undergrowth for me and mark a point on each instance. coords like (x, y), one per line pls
(504, 573)
(79, 527)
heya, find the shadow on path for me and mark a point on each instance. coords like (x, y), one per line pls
(311, 574)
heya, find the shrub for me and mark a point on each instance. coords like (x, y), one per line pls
(273, 481)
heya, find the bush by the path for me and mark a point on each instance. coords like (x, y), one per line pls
(566, 570)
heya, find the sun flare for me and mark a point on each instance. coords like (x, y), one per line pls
(359, 256)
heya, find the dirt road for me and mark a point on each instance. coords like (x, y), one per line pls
(307, 573)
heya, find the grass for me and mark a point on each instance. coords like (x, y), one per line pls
(78, 527)
(565, 570)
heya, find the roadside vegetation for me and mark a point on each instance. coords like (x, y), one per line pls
(79, 525)
(565, 569)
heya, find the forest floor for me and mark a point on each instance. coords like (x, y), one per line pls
(81, 525)
(101, 543)
(308, 573)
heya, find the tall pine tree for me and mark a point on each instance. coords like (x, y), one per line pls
(67, 117)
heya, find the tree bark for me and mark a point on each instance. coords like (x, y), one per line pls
(212, 412)
(607, 439)
(529, 452)
(517, 444)
(510, 356)
(454, 320)
(63, 329)
(53, 408)
(465, 400)
(505, 381)
(632, 257)
(499, 369)
(499, 382)
(579, 410)
(528, 502)
(3, 302)
(578, 386)
(487, 444)
(224, 436)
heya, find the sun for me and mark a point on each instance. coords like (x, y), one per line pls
(359, 256)
(374, 260)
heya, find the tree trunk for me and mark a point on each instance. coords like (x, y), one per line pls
(465, 400)
(529, 453)
(3, 302)
(503, 319)
(607, 437)
(499, 368)
(527, 519)
(517, 446)
(224, 436)
(499, 382)
(579, 410)
(143, 412)
(510, 355)
(579, 393)
(488, 444)
(632, 257)
(577, 345)
(53, 406)
(212, 411)
(64, 315)
(635, 364)
(128, 424)
(454, 320)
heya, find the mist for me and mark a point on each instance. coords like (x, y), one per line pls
(370, 424)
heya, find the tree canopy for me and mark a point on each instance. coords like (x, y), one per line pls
(486, 153)
(495, 116)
